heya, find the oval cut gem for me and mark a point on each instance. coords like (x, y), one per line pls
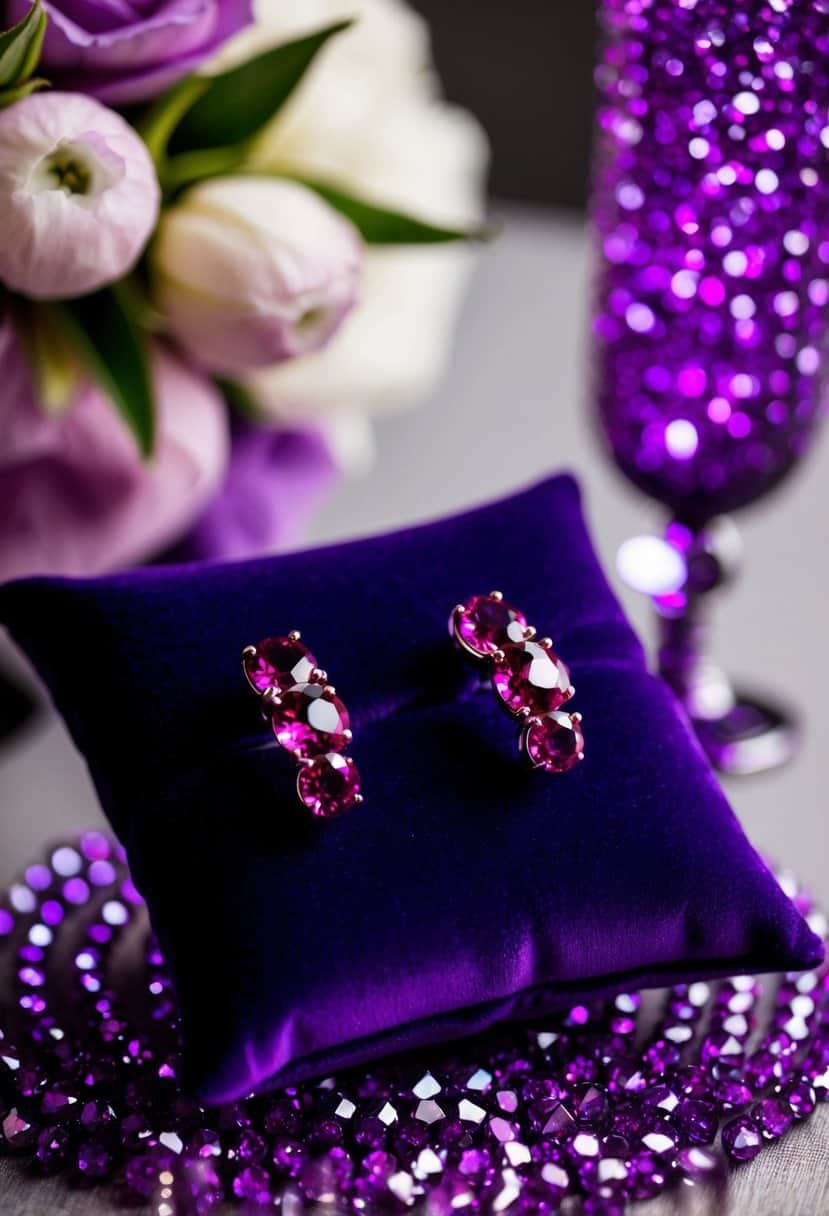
(329, 785)
(310, 720)
(488, 622)
(279, 663)
(554, 742)
(528, 676)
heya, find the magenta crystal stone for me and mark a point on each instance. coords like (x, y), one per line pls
(310, 721)
(530, 676)
(554, 742)
(279, 663)
(487, 622)
(329, 785)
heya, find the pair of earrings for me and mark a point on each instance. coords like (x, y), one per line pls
(311, 722)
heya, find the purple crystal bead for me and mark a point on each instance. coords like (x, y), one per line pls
(252, 1184)
(591, 1105)
(649, 1175)
(773, 1116)
(141, 1174)
(801, 1098)
(698, 1120)
(52, 1149)
(283, 1118)
(95, 1158)
(741, 1138)
(698, 1163)
(288, 1157)
(246, 1146)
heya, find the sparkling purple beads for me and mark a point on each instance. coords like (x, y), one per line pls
(711, 203)
(593, 1106)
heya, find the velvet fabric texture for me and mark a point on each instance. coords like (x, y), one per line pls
(465, 889)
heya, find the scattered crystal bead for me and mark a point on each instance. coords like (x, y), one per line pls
(741, 1139)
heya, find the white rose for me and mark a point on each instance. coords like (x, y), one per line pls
(369, 119)
(252, 270)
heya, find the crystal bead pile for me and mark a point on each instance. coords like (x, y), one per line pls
(308, 719)
(598, 1105)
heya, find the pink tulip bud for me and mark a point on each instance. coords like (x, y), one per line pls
(78, 195)
(251, 271)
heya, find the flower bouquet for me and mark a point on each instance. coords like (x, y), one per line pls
(226, 237)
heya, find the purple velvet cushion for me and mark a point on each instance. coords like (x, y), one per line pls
(464, 890)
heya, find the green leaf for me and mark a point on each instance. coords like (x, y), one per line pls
(9, 96)
(189, 167)
(239, 399)
(110, 346)
(54, 366)
(237, 104)
(20, 47)
(158, 125)
(379, 225)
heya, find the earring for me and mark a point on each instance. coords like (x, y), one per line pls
(308, 720)
(529, 678)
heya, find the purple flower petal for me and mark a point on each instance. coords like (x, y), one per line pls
(124, 52)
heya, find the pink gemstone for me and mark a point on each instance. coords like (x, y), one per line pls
(554, 742)
(279, 663)
(310, 720)
(530, 677)
(329, 785)
(488, 622)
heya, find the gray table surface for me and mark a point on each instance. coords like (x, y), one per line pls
(513, 406)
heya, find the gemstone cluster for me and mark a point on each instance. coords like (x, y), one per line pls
(601, 1106)
(527, 675)
(308, 719)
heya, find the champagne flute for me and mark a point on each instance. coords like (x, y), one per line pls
(711, 205)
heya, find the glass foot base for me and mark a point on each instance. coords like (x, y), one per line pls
(750, 737)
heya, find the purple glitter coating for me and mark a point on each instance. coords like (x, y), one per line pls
(513, 1120)
(711, 203)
